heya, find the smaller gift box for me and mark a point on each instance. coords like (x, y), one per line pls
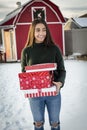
(41, 67)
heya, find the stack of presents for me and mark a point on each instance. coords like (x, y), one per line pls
(37, 80)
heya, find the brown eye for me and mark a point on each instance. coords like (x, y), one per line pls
(37, 29)
(44, 30)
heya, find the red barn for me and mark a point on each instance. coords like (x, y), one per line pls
(16, 25)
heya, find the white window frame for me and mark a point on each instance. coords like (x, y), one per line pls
(33, 8)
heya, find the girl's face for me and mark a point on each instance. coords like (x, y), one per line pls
(40, 33)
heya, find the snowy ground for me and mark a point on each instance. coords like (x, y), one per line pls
(15, 112)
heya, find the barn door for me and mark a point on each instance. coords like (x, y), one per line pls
(10, 48)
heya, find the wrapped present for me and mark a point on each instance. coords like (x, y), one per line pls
(37, 77)
(32, 80)
(41, 67)
(32, 93)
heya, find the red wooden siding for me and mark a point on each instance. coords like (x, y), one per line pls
(21, 38)
(56, 32)
(27, 14)
(9, 22)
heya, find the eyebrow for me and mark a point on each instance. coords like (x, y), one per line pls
(40, 28)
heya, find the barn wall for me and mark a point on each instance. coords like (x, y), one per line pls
(68, 42)
(22, 33)
(21, 38)
(56, 32)
(80, 40)
(25, 18)
(76, 41)
(27, 14)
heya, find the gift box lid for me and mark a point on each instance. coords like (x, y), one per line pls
(41, 67)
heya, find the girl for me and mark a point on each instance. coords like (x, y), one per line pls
(40, 48)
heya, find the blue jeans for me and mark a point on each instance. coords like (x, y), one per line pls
(53, 104)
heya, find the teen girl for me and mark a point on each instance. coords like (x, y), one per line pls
(40, 48)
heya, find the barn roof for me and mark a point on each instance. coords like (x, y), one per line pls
(74, 23)
(12, 16)
(84, 15)
(71, 24)
(81, 21)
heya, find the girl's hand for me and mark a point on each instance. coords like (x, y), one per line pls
(58, 86)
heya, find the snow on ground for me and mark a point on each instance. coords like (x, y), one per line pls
(15, 111)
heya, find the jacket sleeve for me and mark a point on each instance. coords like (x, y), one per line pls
(23, 60)
(60, 73)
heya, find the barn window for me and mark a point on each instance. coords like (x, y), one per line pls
(38, 12)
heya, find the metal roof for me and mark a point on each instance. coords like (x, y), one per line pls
(81, 21)
(11, 15)
(71, 24)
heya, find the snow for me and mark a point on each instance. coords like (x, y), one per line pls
(15, 111)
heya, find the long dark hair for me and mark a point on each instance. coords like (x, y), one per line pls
(30, 40)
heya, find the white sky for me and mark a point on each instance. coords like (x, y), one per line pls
(69, 8)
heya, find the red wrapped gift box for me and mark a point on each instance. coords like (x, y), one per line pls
(32, 80)
(32, 93)
(37, 77)
(41, 67)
